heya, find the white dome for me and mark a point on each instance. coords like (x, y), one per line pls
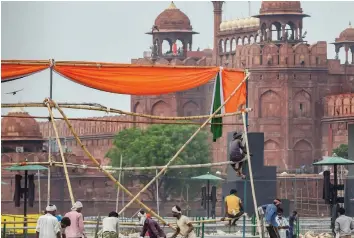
(248, 22)
(222, 26)
(235, 24)
(228, 25)
(241, 22)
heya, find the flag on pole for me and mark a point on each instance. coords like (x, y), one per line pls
(218, 98)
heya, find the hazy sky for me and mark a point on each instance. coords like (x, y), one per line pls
(114, 32)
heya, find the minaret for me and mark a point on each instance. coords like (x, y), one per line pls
(217, 5)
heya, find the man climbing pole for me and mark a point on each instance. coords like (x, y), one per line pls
(237, 153)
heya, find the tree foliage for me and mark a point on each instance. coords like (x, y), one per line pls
(341, 151)
(155, 146)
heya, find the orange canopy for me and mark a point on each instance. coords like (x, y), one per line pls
(137, 79)
(14, 69)
(134, 79)
(230, 81)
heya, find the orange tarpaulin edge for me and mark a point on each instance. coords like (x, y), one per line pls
(135, 79)
(15, 69)
(230, 80)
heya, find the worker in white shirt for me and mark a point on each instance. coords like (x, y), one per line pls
(184, 225)
(283, 225)
(48, 225)
(110, 225)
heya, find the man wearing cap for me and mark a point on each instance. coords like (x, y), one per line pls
(237, 153)
(76, 229)
(48, 225)
(184, 225)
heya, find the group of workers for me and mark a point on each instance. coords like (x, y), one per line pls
(72, 224)
(277, 225)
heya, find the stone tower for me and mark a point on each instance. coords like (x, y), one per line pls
(173, 25)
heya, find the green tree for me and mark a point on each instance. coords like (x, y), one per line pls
(155, 146)
(341, 151)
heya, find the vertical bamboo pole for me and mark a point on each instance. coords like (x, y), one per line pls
(50, 163)
(157, 194)
(50, 131)
(118, 189)
(250, 173)
(110, 176)
(162, 171)
(62, 156)
(39, 192)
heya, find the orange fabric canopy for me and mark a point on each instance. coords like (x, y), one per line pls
(230, 81)
(14, 69)
(134, 79)
(137, 79)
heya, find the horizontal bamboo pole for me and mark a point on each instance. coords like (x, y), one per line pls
(26, 62)
(105, 64)
(94, 160)
(110, 64)
(123, 223)
(80, 166)
(112, 110)
(126, 121)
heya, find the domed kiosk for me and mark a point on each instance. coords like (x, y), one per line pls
(346, 40)
(20, 131)
(172, 25)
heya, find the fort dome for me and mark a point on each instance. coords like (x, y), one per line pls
(173, 19)
(17, 128)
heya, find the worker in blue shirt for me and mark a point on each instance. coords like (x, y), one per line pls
(270, 215)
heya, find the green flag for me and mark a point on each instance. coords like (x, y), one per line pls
(216, 103)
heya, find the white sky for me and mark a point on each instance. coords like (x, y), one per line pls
(114, 32)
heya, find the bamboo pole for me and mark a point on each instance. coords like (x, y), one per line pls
(103, 170)
(62, 156)
(112, 110)
(119, 176)
(127, 121)
(50, 164)
(26, 62)
(251, 174)
(117, 65)
(72, 165)
(33, 220)
(162, 171)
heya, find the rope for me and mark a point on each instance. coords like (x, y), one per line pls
(112, 110)
(162, 171)
(98, 165)
(61, 155)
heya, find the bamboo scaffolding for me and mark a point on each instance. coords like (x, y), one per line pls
(127, 121)
(162, 171)
(112, 110)
(61, 155)
(251, 175)
(149, 210)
